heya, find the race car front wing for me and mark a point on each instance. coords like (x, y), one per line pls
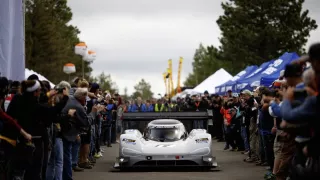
(156, 161)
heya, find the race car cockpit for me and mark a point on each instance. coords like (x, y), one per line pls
(165, 134)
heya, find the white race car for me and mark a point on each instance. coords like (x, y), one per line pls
(165, 142)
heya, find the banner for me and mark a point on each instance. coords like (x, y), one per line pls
(12, 44)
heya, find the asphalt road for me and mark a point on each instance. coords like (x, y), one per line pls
(231, 166)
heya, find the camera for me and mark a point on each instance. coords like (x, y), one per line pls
(60, 90)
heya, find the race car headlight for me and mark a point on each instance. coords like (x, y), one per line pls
(123, 159)
(209, 159)
(202, 140)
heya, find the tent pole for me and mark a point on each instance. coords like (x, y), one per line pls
(82, 68)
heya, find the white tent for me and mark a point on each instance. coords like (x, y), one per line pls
(41, 78)
(219, 77)
(184, 93)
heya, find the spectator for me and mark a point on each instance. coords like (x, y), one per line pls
(55, 164)
(274, 111)
(14, 89)
(35, 118)
(217, 117)
(138, 107)
(228, 113)
(248, 113)
(110, 109)
(149, 106)
(309, 111)
(159, 106)
(94, 89)
(79, 121)
(199, 105)
(266, 124)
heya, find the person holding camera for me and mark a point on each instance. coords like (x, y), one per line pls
(248, 111)
(309, 112)
(35, 118)
(79, 121)
(5, 119)
(9, 129)
(274, 111)
(265, 125)
(55, 163)
(109, 118)
(285, 146)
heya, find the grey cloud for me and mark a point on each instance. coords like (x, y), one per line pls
(135, 38)
(141, 61)
(144, 7)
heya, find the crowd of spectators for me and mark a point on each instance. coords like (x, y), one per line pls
(277, 126)
(49, 132)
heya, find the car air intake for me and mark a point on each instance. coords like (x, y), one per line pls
(166, 163)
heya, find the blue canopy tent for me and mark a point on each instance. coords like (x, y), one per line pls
(222, 88)
(269, 79)
(246, 82)
(273, 67)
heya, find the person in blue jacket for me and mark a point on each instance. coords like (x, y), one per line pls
(138, 106)
(149, 106)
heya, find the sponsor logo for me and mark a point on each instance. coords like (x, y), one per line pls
(202, 140)
(164, 145)
(129, 141)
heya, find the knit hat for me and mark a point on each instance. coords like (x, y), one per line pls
(33, 77)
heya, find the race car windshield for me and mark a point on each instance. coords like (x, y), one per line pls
(164, 134)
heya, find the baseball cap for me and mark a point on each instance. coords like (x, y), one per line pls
(247, 92)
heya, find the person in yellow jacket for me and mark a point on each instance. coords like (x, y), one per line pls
(159, 106)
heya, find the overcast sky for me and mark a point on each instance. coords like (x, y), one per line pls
(134, 39)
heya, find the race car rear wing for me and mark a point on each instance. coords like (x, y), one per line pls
(148, 116)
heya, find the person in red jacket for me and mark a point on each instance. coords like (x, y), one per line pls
(227, 113)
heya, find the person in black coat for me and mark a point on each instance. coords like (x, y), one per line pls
(34, 117)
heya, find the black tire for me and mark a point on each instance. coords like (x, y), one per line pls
(206, 169)
(124, 169)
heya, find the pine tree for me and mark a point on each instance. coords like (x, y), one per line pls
(206, 61)
(255, 31)
(50, 40)
(143, 90)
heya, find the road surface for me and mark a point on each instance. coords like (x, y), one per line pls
(231, 167)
